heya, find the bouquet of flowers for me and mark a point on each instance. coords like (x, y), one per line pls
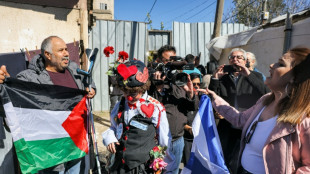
(122, 57)
(157, 159)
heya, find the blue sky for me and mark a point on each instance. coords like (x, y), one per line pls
(167, 11)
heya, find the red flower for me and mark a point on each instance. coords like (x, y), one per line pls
(108, 50)
(155, 149)
(122, 56)
(158, 164)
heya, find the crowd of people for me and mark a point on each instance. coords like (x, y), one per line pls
(262, 128)
(263, 123)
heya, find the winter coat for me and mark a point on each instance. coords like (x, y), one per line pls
(286, 150)
(36, 73)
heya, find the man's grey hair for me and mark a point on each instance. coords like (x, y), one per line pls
(46, 45)
(239, 49)
(252, 57)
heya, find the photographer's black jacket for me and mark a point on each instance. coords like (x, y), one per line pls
(247, 91)
(177, 104)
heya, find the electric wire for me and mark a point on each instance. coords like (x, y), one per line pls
(178, 7)
(212, 12)
(150, 10)
(201, 11)
(186, 12)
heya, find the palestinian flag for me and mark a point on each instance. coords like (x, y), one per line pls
(47, 123)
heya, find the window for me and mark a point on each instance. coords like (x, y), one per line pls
(103, 6)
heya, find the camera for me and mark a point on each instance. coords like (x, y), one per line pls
(230, 69)
(247, 64)
(172, 71)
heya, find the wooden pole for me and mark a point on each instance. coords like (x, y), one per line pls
(218, 19)
(217, 22)
(83, 32)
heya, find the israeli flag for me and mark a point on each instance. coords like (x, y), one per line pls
(206, 154)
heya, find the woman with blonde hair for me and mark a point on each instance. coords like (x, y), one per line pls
(276, 130)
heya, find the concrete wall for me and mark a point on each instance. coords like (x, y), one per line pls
(110, 3)
(101, 13)
(25, 26)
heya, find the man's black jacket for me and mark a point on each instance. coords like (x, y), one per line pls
(177, 104)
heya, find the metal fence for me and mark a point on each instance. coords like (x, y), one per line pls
(191, 38)
(133, 37)
(158, 38)
(123, 36)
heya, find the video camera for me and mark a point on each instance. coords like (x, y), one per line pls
(172, 70)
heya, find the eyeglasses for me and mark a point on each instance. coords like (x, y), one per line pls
(238, 57)
(248, 137)
(196, 84)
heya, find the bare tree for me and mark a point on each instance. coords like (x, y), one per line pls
(249, 12)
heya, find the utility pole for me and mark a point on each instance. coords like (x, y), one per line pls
(265, 13)
(217, 23)
(218, 19)
(213, 63)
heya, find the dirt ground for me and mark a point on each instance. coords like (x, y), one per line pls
(102, 123)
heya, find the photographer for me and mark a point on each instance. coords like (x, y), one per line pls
(178, 100)
(241, 88)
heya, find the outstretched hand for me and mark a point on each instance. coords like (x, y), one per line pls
(3, 73)
(208, 92)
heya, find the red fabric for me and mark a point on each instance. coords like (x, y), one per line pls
(159, 115)
(119, 114)
(76, 127)
(134, 106)
(147, 109)
(125, 71)
(142, 77)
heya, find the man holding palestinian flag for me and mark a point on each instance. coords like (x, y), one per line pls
(47, 121)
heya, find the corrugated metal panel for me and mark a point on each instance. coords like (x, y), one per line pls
(176, 34)
(133, 37)
(123, 36)
(191, 38)
(156, 39)
(200, 40)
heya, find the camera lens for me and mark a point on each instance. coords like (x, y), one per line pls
(180, 79)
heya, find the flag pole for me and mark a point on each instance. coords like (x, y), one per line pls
(92, 59)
